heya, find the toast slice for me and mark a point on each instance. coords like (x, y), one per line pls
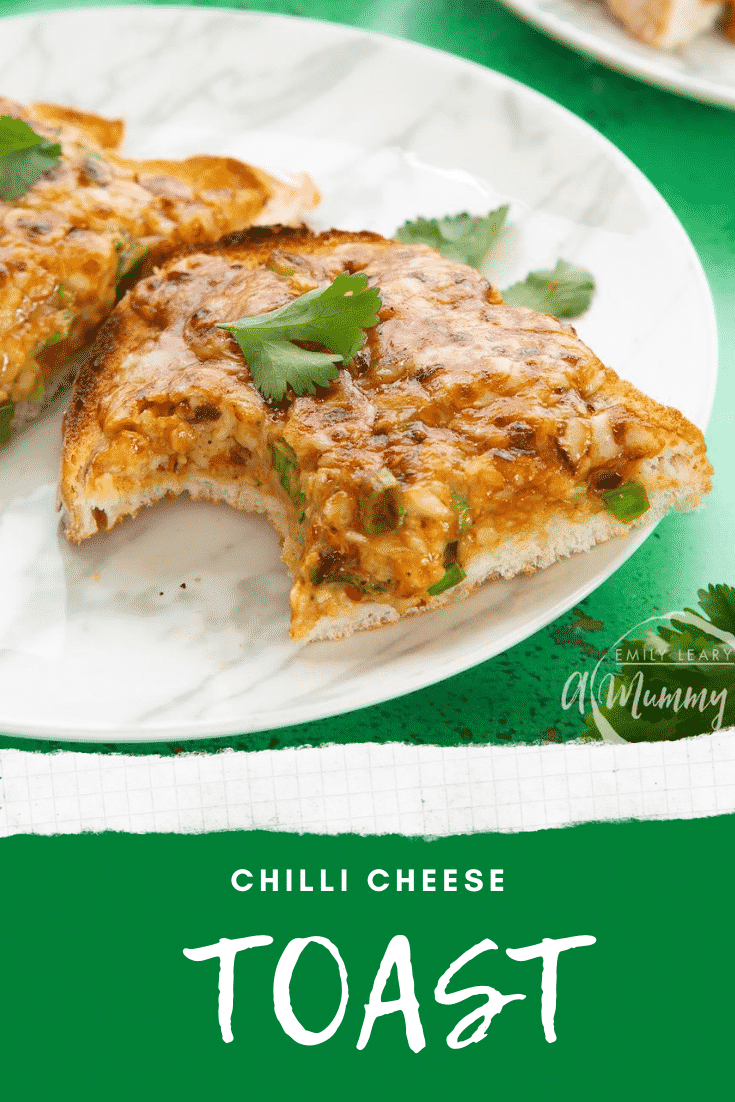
(83, 227)
(667, 24)
(468, 440)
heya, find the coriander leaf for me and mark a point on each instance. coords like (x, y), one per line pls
(718, 602)
(334, 316)
(20, 171)
(24, 157)
(277, 365)
(565, 292)
(463, 237)
(15, 134)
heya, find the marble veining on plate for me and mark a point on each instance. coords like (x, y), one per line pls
(176, 623)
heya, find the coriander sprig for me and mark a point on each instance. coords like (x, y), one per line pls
(464, 237)
(335, 317)
(566, 291)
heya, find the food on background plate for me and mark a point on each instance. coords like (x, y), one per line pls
(77, 220)
(409, 435)
(729, 24)
(669, 24)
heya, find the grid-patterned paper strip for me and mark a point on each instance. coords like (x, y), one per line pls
(368, 788)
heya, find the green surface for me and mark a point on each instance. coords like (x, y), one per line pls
(687, 150)
(100, 1004)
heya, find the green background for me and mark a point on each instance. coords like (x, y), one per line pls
(687, 150)
(97, 1001)
(99, 1004)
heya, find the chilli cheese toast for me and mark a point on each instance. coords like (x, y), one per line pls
(69, 240)
(467, 440)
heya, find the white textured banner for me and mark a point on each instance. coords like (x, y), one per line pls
(368, 788)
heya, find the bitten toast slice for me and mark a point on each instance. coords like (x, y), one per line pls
(66, 244)
(468, 440)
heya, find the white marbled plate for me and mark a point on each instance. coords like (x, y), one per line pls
(176, 624)
(703, 70)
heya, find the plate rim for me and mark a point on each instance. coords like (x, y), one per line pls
(321, 710)
(650, 70)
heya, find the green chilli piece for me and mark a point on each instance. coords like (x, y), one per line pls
(627, 502)
(453, 572)
(287, 469)
(461, 506)
(7, 413)
(129, 263)
(381, 503)
(57, 338)
(371, 588)
(453, 575)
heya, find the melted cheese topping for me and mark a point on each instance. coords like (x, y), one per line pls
(456, 396)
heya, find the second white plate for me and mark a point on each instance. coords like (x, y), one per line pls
(176, 624)
(703, 70)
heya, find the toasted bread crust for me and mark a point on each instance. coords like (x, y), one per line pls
(106, 133)
(500, 429)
